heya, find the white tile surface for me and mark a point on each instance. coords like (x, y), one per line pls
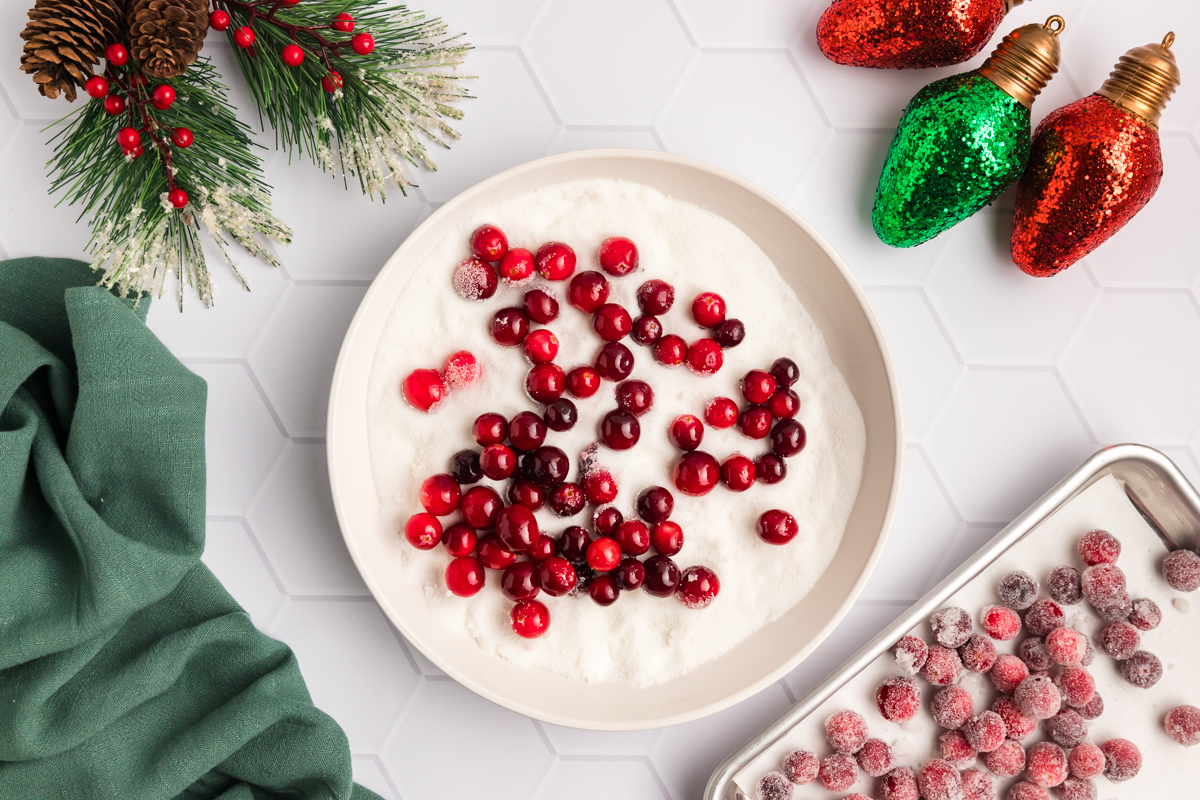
(1008, 381)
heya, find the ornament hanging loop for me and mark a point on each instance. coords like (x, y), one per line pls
(1144, 79)
(1169, 39)
(1023, 63)
(1055, 24)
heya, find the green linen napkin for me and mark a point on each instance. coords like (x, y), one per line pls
(126, 670)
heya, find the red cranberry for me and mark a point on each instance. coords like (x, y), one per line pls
(540, 306)
(606, 520)
(614, 361)
(737, 473)
(687, 431)
(618, 256)
(667, 538)
(1143, 669)
(556, 576)
(474, 280)
(541, 346)
(620, 430)
(704, 357)
(655, 297)
(489, 243)
(489, 429)
(770, 468)
(635, 396)
(493, 554)
(573, 544)
(464, 576)
(708, 309)
(509, 327)
(646, 330)
(545, 382)
(630, 574)
(698, 586)
(784, 404)
(600, 487)
(424, 389)
(497, 461)
(1018, 590)
(555, 261)
(516, 267)
(526, 493)
(1180, 569)
(549, 466)
(785, 372)
(583, 382)
(721, 412)
(460, 539)
(1099, 547)
(517, 528)
(543, 548)
(529, 619)
(440, 495)
(670, 350)
(612, 322)
(655, 504)
(462, 369)
(567, 500)
(560, 414)
(633, 536)
(603, 554)
(758, 386)
(527, 431)
(604, 590)
(777, 527)
(788, 437)
(479, 507)
(729, 333)
(662, 576)
(696, 473)
(755, 422)
(423, 531)
(520, 581)
(588, 291)
(464, 467)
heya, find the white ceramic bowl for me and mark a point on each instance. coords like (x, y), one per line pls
(855, 341)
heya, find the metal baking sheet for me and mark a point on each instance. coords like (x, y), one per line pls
(1152, 484)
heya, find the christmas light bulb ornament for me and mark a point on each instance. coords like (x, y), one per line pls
(908, 34)
(964, 139)
(1094, 164)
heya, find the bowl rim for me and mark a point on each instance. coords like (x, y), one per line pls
(337, 396)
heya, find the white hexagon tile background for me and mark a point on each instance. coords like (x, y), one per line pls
(1008, 381)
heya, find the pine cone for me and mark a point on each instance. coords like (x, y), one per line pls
(166, 35)
(65, 38)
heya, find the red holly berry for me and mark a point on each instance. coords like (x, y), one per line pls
(612, 322)
(489, 243)
(96, 86)
(440, 495)
(614, 361)
(424, 389)
(475, 279)
(331, 81)
(509, 327)
(244, 37)
(696, 473)
(708, 309)
(603, 554)
(114, 104)
(182, 137)
(529, 619)
(555, 261)
(464, 576)
(541, 346)
(698, 587)
(292, 55)
(618, 256)
(620, 430)
(219, 20)
(177, 197)
(737, 473)
(655, 297)
(516, 267)
(423, 531)
(343, 23)
(777, 527)
(588, 291)
(363, 43)
(704, 357)
(128, 138)
(583, 382)
(670, 350)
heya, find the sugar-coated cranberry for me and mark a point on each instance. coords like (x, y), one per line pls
(737, 473)
(1076, 685)
(540, 306)
(788, 438)
(955, 748)
(567, 499)
(770, 468)
(1044, 616)
(606, 520)
(1017, 590)
(783, 404)
(545, 383)
(952, 707)
(489, 429)
(423, 531)
(440, 495)
(1063, 585)
(758, 386)
(687, 432)
(464, 576)
(1027, 791)
(462, 369)
(1066, 646)
(614, 361)
(729, 333)
(985, 731)
(1038, 697)
(509, 327)
(1017, 725)
(527, 431)
(1000, 623)
(619, 429)
(696, 473)
(1142, 669)
(721, 412)
(1099, 547)
(785, 372)
(489, 243)
(899, 784)
(708, 309)
(1046, 764)
(939, 780)
(425, 389)
(493, 554)
(776, 526)
(838, 772)
(479, 506)
(603, 589)
(1144, 614)
(1089, 654)
(520, 581)
(655, 504)
(516, 267)
(978, 785)
(548, 466)
(1181, 569)
(583, 382)
(698, 586)
(497, 461)
(951, 626)
(555, 261)
(801, 767)
(1122, 760)
(1119, 610)
(1067, 728)
(556, 576)
(529, 619)
(667, 538)
(573, 544)
(1103, 584)
(545, 547)
(646, 330)
(662, 576)
(898, 699)
(618, 256)
(1076, 789)
(560, 414)
(1008, 672)
(517, 528)
(604, 554)
(704, 357)
(774, 786)
(978, 654)
(670, 350)
(846, 731)
(1086, 760)
(475, 280)
(655, 297)
(943, 666)
(755, 422)
(630, 574)
(1007, 760)
(1033, 652)
(600, 487)
(540, 346)
(1182, 724)
(633, 536)
(612, 322)
(911, 654)
(588, 291)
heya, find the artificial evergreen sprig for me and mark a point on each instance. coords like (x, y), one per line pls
(352, 109)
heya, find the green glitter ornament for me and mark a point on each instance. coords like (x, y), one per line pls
(964, 139)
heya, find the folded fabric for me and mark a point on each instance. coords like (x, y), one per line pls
(126, 670)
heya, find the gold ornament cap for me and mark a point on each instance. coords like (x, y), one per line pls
(1143, 80)
(1008, 4)
(1023, 63)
